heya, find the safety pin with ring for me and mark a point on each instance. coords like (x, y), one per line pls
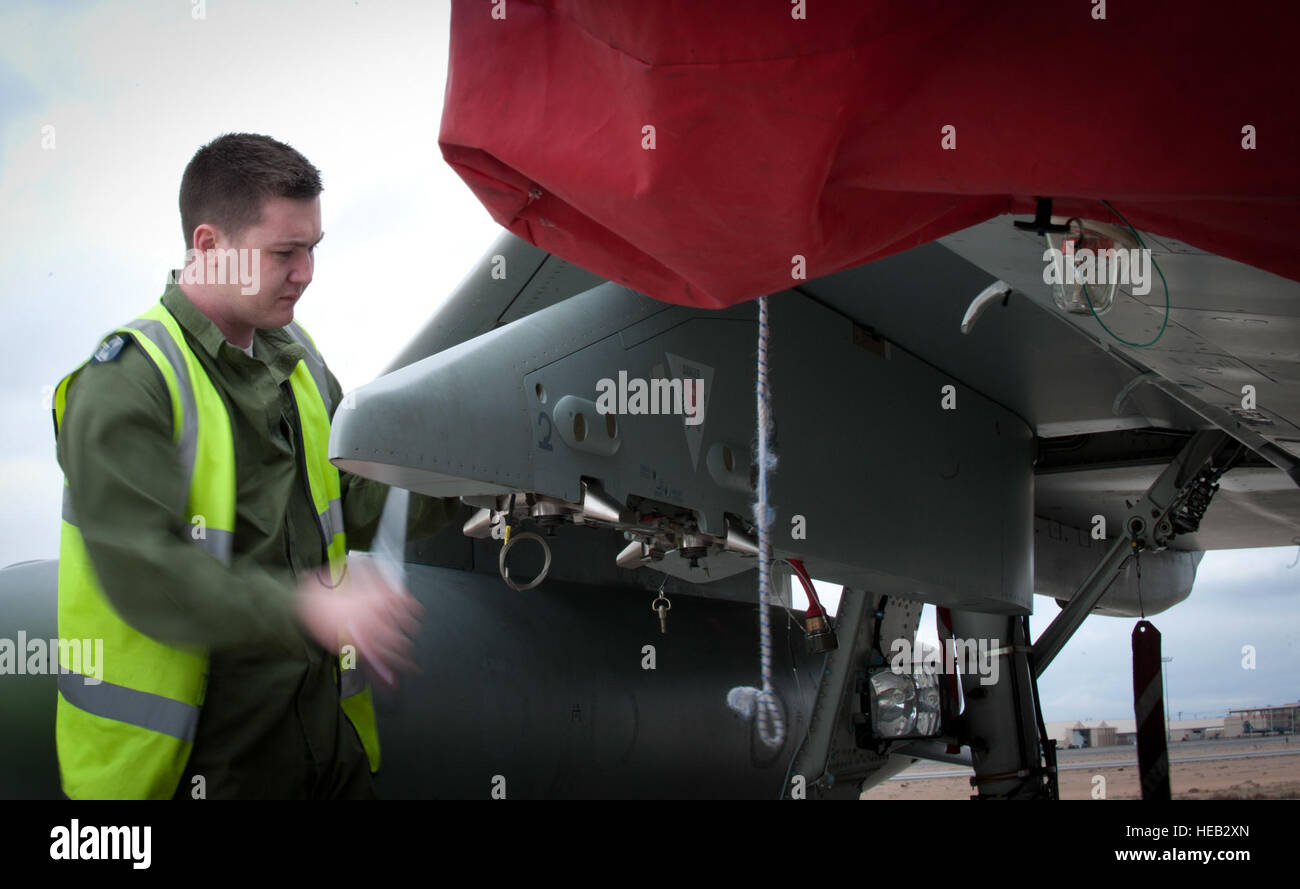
(505, 572)
(662, 610)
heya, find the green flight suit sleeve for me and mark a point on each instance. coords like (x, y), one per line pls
(363, 500)
(126, 486)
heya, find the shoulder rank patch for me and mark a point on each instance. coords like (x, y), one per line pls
(109, 349)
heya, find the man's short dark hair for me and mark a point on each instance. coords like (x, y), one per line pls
(227, 180)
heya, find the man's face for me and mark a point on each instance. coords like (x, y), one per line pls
(286, 239)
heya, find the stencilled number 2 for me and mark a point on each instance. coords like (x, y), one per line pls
(543, 419)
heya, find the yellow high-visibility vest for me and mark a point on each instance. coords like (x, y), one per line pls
(130, 734)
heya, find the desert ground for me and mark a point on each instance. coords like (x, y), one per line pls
(1258, 768)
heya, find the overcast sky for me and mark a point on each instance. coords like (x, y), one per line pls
(89, 228)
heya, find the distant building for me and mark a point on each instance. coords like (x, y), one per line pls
(1262, 721)
(1105, 733)
(1099, 735)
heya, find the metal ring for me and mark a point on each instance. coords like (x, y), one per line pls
(667, 606)
(505, 572)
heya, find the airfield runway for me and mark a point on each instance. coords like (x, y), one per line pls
(1256, 768)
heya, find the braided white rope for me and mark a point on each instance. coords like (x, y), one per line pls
(744, 699)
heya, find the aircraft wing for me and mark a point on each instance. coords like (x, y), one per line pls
(868, 164)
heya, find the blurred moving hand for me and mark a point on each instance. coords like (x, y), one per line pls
(366, 611)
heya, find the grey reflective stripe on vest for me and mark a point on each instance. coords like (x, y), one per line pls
(351, 682)
(331, 520)
(68, 515)
(139, 708)
(315, 363)
(189, 438)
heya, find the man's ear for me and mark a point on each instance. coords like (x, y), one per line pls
(205, 237)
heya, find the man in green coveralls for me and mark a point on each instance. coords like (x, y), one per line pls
(271, 725)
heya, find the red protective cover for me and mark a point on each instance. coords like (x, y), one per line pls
(823, 136)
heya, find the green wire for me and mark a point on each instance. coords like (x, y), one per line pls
(1088, 298)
